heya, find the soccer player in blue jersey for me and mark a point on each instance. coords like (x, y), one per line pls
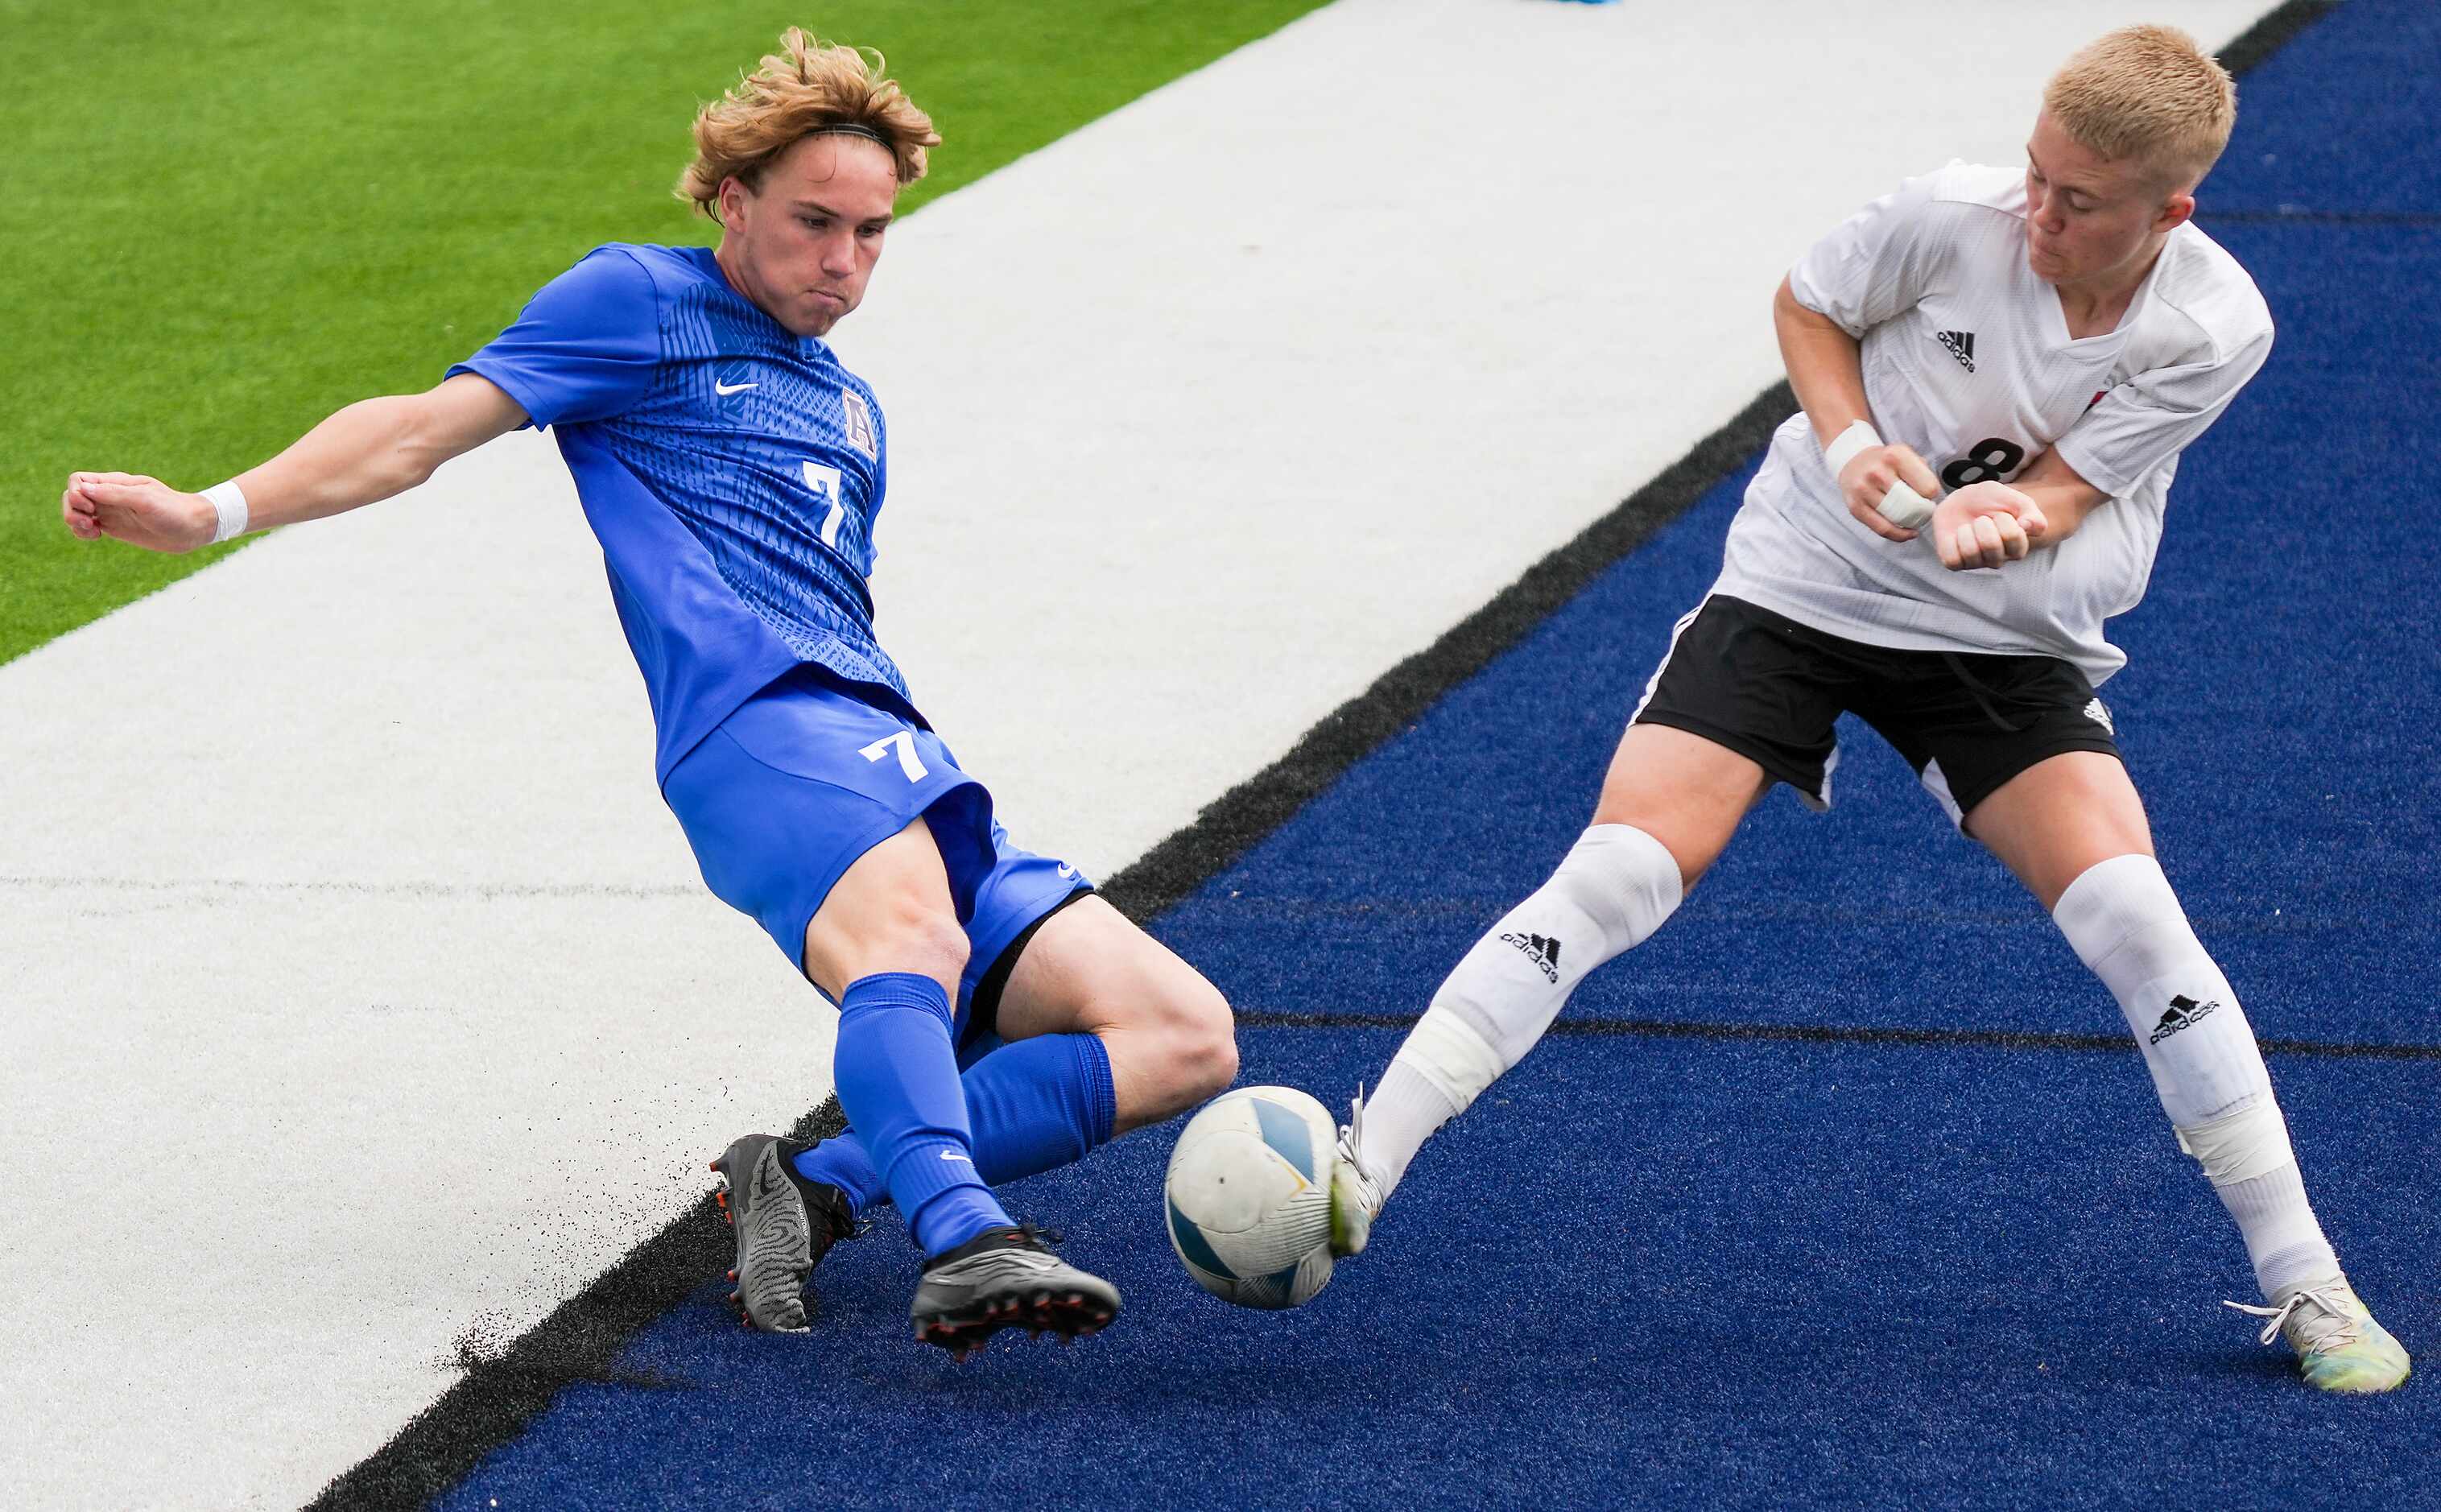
(732, 469)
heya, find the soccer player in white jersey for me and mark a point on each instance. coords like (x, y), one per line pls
(996, 1018)
(1998, 370)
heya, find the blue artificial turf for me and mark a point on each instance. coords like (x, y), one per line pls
(1644, 1271)
(1674, 1271)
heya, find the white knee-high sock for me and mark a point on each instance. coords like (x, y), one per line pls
(2128, 927)
(1614, 887)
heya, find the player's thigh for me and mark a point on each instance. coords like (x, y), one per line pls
(1016, 900)
(1744, 698)
(1090, 970)
(2059, 817)
(2020, 754)
(1167, 1030)
(891, 910)
(849, 833)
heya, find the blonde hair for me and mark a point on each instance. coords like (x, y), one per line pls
(807, 88)
(2146, 93)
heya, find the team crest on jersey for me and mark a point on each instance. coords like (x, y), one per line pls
(2100, 715)
(860, 423)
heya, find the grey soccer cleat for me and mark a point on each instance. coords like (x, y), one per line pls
(784, 1225)
(1006, 1278)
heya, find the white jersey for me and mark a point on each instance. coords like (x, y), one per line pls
(1967, 359)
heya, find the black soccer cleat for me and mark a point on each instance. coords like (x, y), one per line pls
(1007, 1278)
(784, 1225)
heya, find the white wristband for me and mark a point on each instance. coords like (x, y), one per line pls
(1845, 446)
(228, 502)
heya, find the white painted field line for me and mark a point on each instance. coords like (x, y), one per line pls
(375, 1010)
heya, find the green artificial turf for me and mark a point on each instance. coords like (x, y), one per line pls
(222, 221)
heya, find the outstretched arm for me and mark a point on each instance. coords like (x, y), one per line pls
(367, 452)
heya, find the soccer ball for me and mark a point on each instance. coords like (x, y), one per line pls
(1249, 1196)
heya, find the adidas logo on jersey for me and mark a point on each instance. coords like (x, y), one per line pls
(2096, 712)
(2183, 1010)
(1961, 345)
(1541, 950)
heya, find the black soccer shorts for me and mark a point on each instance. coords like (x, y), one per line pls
(1771, 689)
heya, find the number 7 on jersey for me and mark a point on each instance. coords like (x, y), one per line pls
(824, 481)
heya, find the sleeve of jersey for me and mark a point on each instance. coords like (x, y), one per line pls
(1873, 265)
(584, 348)
(2152, 417)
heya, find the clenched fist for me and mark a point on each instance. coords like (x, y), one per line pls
(1866, 480)
(140, 510)
(1983, 525)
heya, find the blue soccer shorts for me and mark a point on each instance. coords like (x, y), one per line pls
(804, 777)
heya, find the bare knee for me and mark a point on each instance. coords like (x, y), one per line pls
(1207, 1048)
(1684, 790)
(1179, 1048)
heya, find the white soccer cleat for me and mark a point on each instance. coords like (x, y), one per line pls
(2340, 1348)
(1355, 1197)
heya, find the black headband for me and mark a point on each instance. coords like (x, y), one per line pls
(848, 128)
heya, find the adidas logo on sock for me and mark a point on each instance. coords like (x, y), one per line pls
(1542, 949)
(1961, 345)
(2183, 1010)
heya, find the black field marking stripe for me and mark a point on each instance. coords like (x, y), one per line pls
(502, 1392)
(1251, 811)
(2271, 32)
(505, 1389)
(1844, 1034)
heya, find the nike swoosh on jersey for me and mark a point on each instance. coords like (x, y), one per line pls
(726, 390)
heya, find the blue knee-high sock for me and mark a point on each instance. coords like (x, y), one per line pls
(898, 1083)
(1035, 1104)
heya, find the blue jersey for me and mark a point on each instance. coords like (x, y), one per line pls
(730, 469)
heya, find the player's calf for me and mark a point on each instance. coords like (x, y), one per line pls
(2125, 923)
(1614, 887)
